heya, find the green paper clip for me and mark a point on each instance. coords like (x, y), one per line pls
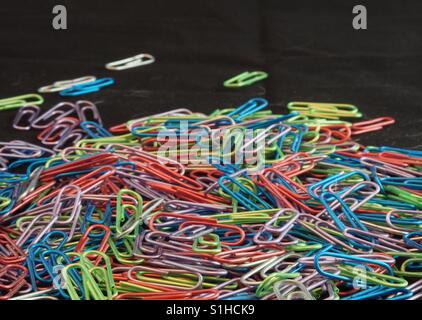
(245, 79)
(204, 245)
(20, 101)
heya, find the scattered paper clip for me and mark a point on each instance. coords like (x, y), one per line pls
(371, 125)
(31, 112)
(20, 101)
(245, 79)
(325, 110)
(132, 62)
(66, 84)
(87, 87)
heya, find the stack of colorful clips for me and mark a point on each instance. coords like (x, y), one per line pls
(239, 204)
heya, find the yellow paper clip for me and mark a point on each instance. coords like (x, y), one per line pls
(325, 110)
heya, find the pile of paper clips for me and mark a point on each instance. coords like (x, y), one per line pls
(97, 213)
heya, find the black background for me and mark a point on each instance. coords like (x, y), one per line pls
(309, 49)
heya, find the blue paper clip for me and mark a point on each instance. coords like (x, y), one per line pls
(324, 184)
(222, 166)
(53, 262)
(296, 136)
(248, 108)
(88, 87)
(412, 153)
(32, 260)
(341, 159)
(412, 243)
(94, 129)
(348, 214)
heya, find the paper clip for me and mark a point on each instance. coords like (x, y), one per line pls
(87, 87)
(84, 108)
(250, 107)
(60, 110)
(22, 150)
(28, 112)
(132, 62)
(349, 272)
(62, 127)
(65, 84)
(90, 288)
(325, 110)
(94, 129)
(302, 294)
(10, 253)
(12, 279)
(20, 101)
(371, 125)
(245, 79)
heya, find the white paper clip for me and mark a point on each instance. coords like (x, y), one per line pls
(66, 84)
(132, 62)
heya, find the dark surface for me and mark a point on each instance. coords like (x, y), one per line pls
(309, 49)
